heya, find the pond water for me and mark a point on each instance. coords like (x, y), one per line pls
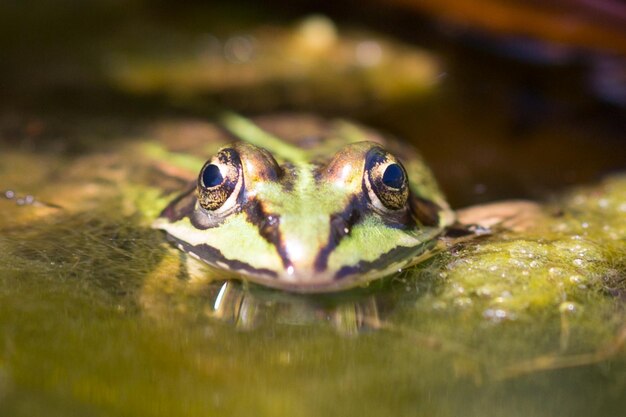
(98, 317)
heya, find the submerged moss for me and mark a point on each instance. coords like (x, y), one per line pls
(576, 252)
(99, 317)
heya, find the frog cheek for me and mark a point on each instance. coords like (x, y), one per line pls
(233, 245)
(214, 257)
(373, 249)
(386, 264)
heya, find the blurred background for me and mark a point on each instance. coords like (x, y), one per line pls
(514, 98)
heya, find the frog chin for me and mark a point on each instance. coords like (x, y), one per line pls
(306, 280)
(303, 278)
(310, 282)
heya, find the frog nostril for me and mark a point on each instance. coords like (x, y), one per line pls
(212, 176)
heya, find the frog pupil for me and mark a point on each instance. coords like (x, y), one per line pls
(393, 176)
(212, 176)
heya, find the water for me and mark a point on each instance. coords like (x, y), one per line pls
(98, 316)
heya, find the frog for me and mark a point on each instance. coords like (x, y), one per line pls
(313, 210)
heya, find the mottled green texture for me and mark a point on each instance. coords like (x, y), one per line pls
(304, 212)
(98, 317)
(192, 163)
(422, 180)
(102, 322)
(245, 129)
(554, 265)
(307, 218)
(381, 239)
(246, 247)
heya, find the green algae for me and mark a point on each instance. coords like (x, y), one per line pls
(98, 318)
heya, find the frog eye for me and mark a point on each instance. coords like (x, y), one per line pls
(211, 176)
(219, 178)
(385, 180)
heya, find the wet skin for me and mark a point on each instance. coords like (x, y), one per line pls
(311, 213)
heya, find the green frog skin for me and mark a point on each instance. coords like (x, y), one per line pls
(312, 213)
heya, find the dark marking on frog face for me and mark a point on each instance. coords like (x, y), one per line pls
(425, 211)
(181, 206)
(288, 177)
(214, 257)
(269, 228)
(340, 226)
(395, 255)
(321, 217)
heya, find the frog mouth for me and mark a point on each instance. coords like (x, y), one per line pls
(316, 282)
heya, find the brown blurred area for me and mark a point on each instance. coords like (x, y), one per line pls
(595, 24)
(529, 97)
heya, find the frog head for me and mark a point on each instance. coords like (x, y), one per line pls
(305, 224)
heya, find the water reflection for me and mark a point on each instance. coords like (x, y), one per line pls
(248, 306)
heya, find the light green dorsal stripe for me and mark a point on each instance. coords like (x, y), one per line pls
(350, 132)
(246, 130)
(179, 160)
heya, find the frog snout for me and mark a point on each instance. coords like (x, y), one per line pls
(301, 261)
